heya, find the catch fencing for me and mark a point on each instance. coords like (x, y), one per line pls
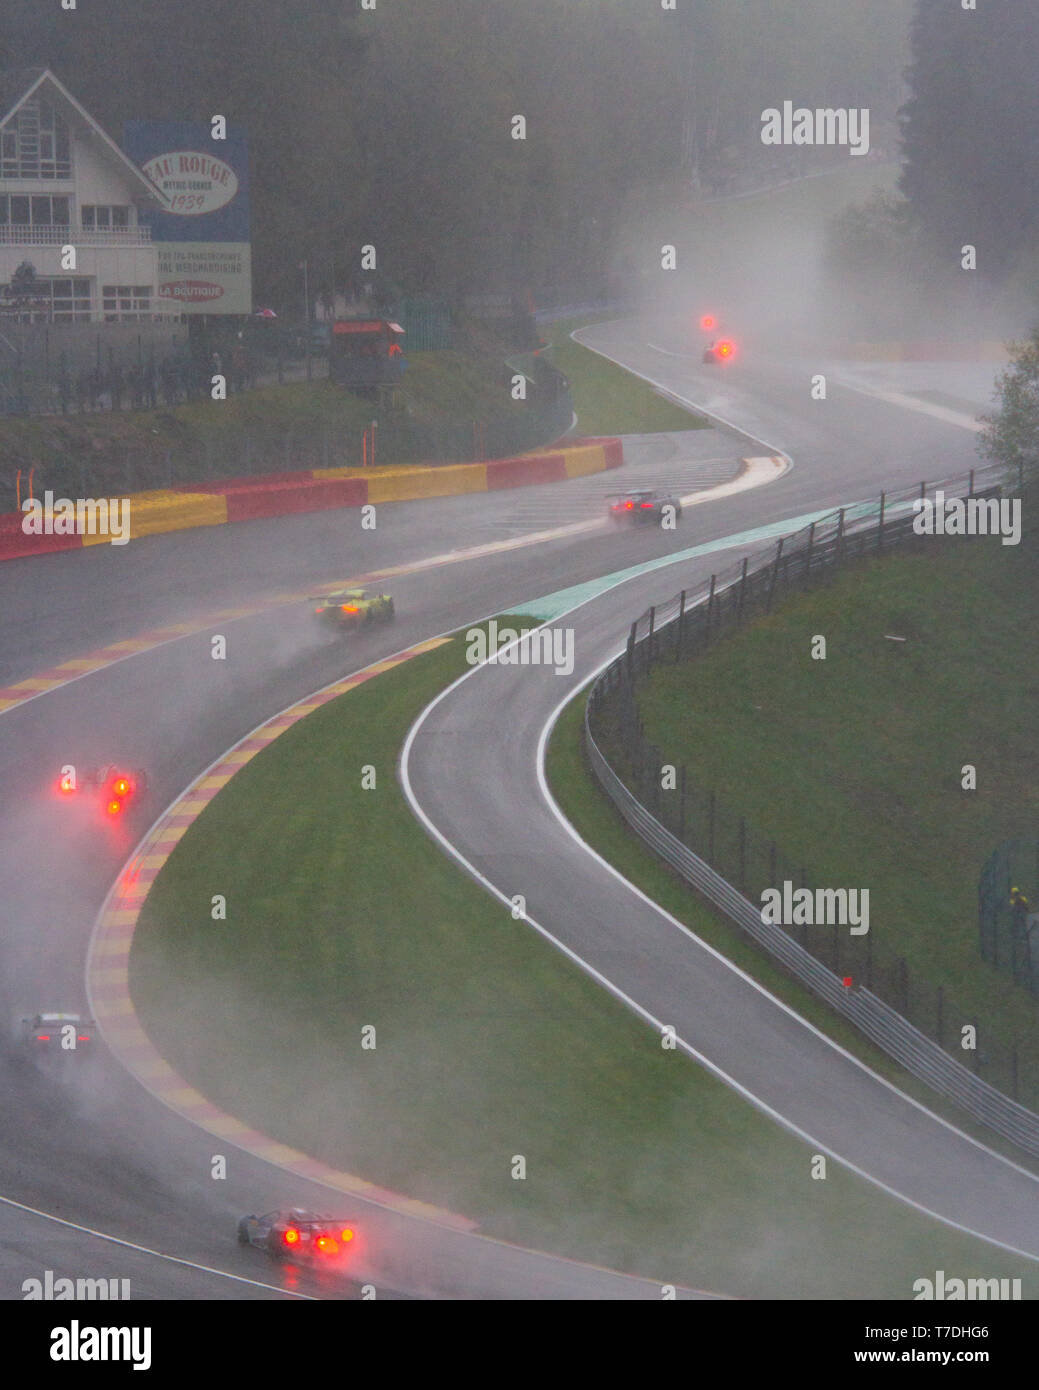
(714, 849)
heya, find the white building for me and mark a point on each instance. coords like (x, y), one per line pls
(64, 182)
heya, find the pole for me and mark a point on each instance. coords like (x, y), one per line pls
(306, 311)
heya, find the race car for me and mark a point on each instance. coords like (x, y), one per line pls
(642, 504)
(296, 1234)
(349, 609)
(721, 351)
(56, 1033)
(114, 786)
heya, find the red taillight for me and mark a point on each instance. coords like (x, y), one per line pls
(82, 1037)
(346, 1234)
(644, 505)
(114, 806)
(121, 786)
(629, 505)
(724, 349)
(43, 1037)
(319, 610)
(349, 608)
(66, 785)
(291, 1236)
(328, 1245)
(708, 322)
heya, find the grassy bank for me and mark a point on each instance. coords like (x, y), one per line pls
(343, 914)
(607, 399)
(853, 764)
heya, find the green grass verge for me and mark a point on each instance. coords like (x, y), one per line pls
(853, 764)
(343, 914)
(608, 399)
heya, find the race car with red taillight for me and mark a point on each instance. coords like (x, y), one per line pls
(114, 787)
(46, 1034)
(296, 1234)
(724, 350)
(642, 504)
(349, 609)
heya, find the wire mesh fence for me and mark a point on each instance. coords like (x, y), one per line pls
(700, 834)
(117, 466)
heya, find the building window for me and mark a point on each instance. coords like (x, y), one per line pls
(20, 210)
(126, 303)
(35, 144)
(94, 215)
(56, 301)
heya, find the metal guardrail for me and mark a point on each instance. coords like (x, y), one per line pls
(692, 621)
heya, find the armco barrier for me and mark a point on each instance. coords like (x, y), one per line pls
(525, 472)
(410, 484)
(154, 513)
(687, 624)
(16, 545)
(287, 493)
(290, 499)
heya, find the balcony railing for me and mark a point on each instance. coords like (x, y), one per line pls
(21, 234)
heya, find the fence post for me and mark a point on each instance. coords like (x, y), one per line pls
(808, 550)
(880, 523)
(649, 639)
(775, 574)
(630, 653)
(743, 586)
(710, 611)
(681, 626)
(970, 485)
(839, 550)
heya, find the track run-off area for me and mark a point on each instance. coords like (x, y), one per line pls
(114, 1161)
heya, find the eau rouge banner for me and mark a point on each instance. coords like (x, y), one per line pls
(202, 239)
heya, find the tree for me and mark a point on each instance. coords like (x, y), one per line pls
(1011, 434)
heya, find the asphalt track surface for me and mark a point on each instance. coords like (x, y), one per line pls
(100, 1153)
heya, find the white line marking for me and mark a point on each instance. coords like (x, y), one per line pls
(156, 1254)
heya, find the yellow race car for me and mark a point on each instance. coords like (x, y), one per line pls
(349, 609)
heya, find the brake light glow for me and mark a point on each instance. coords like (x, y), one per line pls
(346, 1234)
(350, 608)
(66, 784)
(114, 806)
(291, 1236)
(82, 1037)
(629, 505)
(43, 1037)
(328, 1245)
(724, 349)
(708, 322)
(121, 786)
(319, 610)
(644, 505)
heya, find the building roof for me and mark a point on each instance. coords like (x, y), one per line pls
(18, 84)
